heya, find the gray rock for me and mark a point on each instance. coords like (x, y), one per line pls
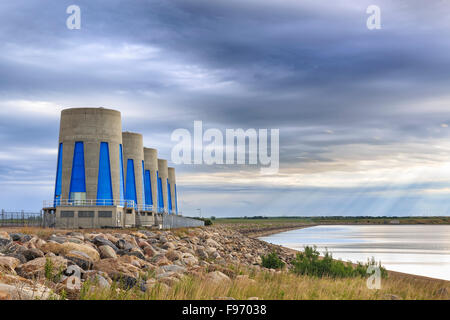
(13, 248)
(73, 270)
(124, 245)
(33, 253)
(20, 237)
(80, 258)
(135, 253)
(58, 239)
(162, 239)
(149, 234)
(202, 253)
(4, 242)
(173, 268)
(99, 241)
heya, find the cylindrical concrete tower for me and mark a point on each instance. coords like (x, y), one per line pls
(133, 156)
(172, 191)
(150, 182)
(163, 180)
(89, 158)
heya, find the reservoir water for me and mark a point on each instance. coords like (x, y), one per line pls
(416, 249)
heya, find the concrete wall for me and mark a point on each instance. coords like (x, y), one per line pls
(151, 163)
(172, 181)
(89, 217)
(91, 126)
(133, 149)
(163, 174)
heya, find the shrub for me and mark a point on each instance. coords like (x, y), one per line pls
(308, 263)
(272, 261)
(207, 221)
(48, 269)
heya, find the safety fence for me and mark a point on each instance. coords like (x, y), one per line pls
(21, 219)
(170, 221)
(46, 220)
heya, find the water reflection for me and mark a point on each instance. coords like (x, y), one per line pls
(417, 249)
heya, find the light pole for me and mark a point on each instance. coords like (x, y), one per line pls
(200, 212)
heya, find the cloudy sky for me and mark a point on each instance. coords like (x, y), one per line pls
(363, 114)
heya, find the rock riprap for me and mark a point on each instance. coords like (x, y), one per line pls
(46, 266)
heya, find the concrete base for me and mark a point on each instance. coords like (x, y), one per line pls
(94, 217)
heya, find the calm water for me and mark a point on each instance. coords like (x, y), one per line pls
(416, 249)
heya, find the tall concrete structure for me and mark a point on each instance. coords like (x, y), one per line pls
(172, 191)
(150, 175)
(133, 155)
(106, 178)
(89, 155)
(89, 161)
(163, 181)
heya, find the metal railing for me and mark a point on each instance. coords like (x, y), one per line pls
(89, 203)
(96, 203)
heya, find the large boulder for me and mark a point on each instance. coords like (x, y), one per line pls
(160, 260)
(106, 252)
(202, 253)
(100, 241)
(4, 238)
(217, 277)
(139, 235)
(91, 252)
(59, 239)
(149, 251)
(37, 268)
(25, 291)
(33, 253)
(173, 255)
(173, 268)
(119, 270)
(8, 264)
(189, 260)
(124, 245)
(51, 246)
(211, 243)
(81, 259)
(20, 237)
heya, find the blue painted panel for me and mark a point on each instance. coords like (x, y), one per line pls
(148, 188)
(176, 201)
(143, 183)
(122, 178)
(78, 178)
(58, 183)
(169, 196)
(160, 192)
(104, 185)
(131, 182)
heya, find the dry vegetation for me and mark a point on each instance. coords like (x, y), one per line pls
(246, 279)
(281, 286)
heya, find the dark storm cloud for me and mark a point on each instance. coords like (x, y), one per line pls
(310, 68)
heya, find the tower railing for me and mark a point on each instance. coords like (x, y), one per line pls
(97, 203)
(88, 203)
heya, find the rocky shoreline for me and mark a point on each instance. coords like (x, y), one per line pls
(54, 266)
(60, 264)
